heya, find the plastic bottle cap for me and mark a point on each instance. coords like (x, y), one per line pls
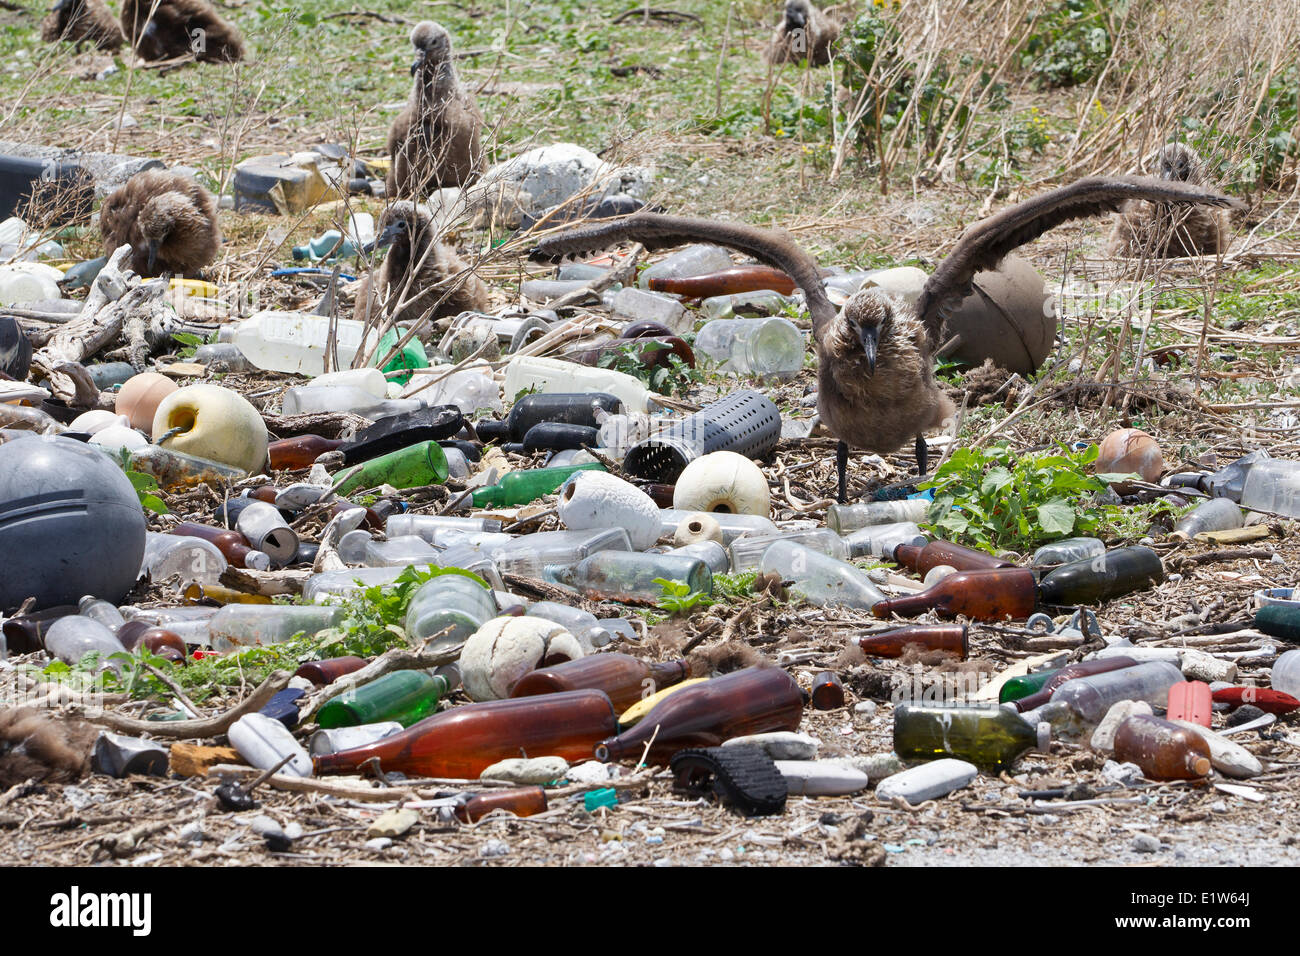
(1044, 736)
(1201, 766)
(257, 561)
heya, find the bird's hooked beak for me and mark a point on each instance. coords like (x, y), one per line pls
(60, 4)
(151, 29)
(386, 239)
(153, 253)
(870, 338)
(419, 61)
(795, 18)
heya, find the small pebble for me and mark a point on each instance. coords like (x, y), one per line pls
(867, 708)
(1145, 843)
(378, 844)
(1243, 714)
(494, 848)
(725, 855)
(191, 833)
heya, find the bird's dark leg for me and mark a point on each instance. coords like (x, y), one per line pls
(842, 468)
(922, 456)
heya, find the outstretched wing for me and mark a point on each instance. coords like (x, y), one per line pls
(655, 231)
(984, 245)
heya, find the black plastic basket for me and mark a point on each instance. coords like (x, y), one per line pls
(746, 423)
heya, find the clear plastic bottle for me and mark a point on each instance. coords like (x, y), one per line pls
(246, 625)
(450, 601)
(1286, 673)
(1217, 514)
(694, 260)
(264, 742)
(371, 380)
(73, 637)
(314, 399)
(880, 540)
(747, 552)
(820, 579)
(278, 341)
(1273, 485)
(1079, 705)
(620, 575)
(732, 525)
(470, 389)
(768, 347)
(1067, 550)
(845, 518)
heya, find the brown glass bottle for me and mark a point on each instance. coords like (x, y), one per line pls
(922, 558)
(157, 640)
(1069, 672)
(466, 740)
(750, 701)
(750, 278)
(521, 801)
(26, 634)
(933, 637)
(624, 678)
(983, 595)
(299, 452)
(1162, 749)
(233, 545)
(329, 670)
(827, 692)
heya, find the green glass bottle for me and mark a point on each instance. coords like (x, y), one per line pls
(1279, 620)
(985, 736)
(403, 696)
(411, 356)
(1019, 687)
(420, 464)
(521, 487)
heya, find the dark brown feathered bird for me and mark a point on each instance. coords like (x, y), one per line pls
(436, 139)
(169, 221)
(178, 27)
(875, 370)
(43, 747)
(80, 22)
(424, 275)
(1144, 229)
(804, 32)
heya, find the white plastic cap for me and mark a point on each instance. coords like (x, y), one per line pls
(1044, 736)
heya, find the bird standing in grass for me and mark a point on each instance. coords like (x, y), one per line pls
(82, 21)
(804, 32)
(435, 141)
(1144, 229)
(420, 278)
(166, 29)
(169, 221)
(875, 356)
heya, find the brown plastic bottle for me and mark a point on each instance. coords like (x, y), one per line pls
(750, 701)
(1069, 672)
(521, 801)
(827, 691)
(751, 278)
(1162, 749)
(299, 452)
(933, 637)
(922, 558)
(233, 545)
(982, 595)
(466, 740)
(328, 671)
(624, 678)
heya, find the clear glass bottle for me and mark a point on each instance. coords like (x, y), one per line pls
(191, 559)
(710, 552)
(398, 552)
(341, 584)
(694, 260)
(1217, 514)
(450, 602)
(425, 525)
(732, 525)
(747, 552)
(845, 518)
(73, 637)
(820, 579)
(314, 399)
(529, 554)
(1078, 705)
(1286, 673)
(247, 625)
(880, 540)
(1065, 551)
(737, 305)
(102, 611)
(1273, 485)
(624, 575)
(638, 305)
(772, 348)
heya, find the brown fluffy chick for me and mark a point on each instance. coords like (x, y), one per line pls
(42, 747)
(169, 221)
(1146, 230)
(80, 22)
(804, 32)
(875, 368)
(425, 276)
(436, 139)
(179, 27)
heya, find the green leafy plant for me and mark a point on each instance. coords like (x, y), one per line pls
(144, 485)
(994, 500)
(675, 378)
(190, 341)
(679, 598)
(1069, 45)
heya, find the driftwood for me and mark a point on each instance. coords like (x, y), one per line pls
(192, 729)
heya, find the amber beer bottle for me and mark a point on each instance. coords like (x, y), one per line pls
(299, 452)
(983, 595)
(750, 701)
(623, 677)
(750, 278)
(933, 637)
(922, 558)
(329, 670)
(466, 740)
(521, 801)
(233, 545)
(1162, 749)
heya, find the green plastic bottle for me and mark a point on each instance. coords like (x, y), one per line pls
(521, 487)
(403, 696)
(1019, 687)
(1279, 620)
(411, 356)
(420, 464)
(985, 736)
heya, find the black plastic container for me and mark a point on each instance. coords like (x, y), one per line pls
(746, 423)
